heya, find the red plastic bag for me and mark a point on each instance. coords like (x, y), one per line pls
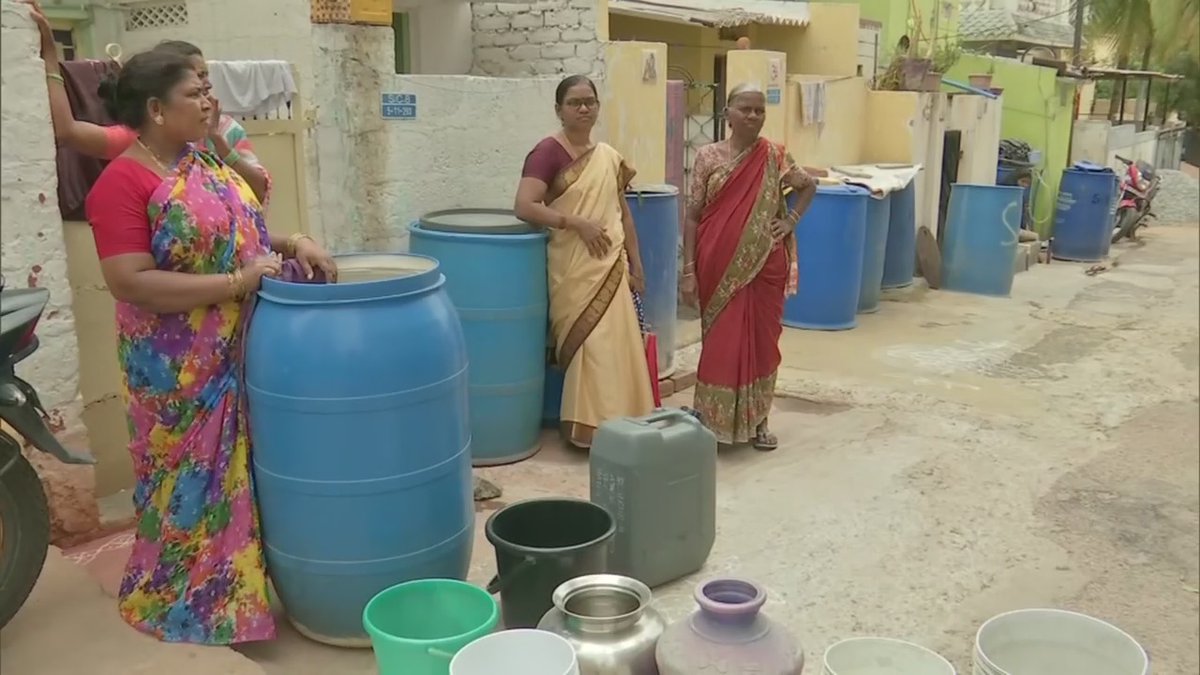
(652, 364)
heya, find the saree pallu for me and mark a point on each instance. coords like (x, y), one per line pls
(197, 572)
(742, 274)
(593, 322)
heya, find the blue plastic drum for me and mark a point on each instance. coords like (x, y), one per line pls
(829, 243)
(983, 226)
(358, 411)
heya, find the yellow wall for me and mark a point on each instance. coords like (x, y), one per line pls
(891, 118)
(753, 66)
(634, 112)
(691, 51)
(829, 46)
(840, 140)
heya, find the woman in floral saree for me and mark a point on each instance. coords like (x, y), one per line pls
(739, 263)
(576, 190)
(182, 244)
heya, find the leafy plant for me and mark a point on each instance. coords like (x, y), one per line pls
(945, 55)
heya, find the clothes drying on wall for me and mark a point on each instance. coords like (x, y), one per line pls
(812, 103)
(78, 172)
(251, 88)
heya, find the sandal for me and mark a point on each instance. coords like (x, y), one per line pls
(764, 440)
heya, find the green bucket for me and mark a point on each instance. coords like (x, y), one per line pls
(417, 627)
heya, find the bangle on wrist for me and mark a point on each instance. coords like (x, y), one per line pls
(55, 77)
(289, 249)
(237, 285)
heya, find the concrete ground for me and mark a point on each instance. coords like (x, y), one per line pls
(952, 458)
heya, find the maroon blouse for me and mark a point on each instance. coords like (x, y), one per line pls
(547, 159)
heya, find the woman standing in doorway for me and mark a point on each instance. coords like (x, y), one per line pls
(224, 136)
(739, 253)
(183, 243)
(576, 189)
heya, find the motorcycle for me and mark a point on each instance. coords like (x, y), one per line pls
(1138, 188)
(24, 513)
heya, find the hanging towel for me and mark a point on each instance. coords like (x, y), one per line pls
(251, 88)
(812, 103)
(77, 172)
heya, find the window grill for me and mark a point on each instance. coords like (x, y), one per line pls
(157, 15)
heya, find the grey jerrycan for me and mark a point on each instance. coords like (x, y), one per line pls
(657, 476)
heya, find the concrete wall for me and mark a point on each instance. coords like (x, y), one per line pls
(909, 127)
(1036, 108)
(829, 45)
(936, 19)
(767, 70)
(33, 254)
(841, 139)
(540, 37)
(634, 112)
(979, 120)
(1100, 142)
(440, 35)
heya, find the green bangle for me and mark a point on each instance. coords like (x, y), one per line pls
(232, 158)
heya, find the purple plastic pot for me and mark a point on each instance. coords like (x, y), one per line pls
(729, 633)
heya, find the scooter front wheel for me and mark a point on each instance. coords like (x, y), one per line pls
(1126, 224)
(24, 528)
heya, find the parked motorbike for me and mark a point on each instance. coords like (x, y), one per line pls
(24, 515)
(1138, 187)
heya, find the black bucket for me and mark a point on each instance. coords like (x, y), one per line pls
(541, 543)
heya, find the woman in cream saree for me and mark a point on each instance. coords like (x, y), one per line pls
(575, 189)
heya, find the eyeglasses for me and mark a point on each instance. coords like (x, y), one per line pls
(578, 103)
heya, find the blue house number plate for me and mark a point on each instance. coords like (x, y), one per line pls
(399, 106)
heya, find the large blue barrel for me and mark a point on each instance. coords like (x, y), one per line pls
(495, 267)
(358, 410)
(655, 212)
(552, 403)
(900, 256)
(879, 213)
(1083, 219)
(983, 226)
(829, 242)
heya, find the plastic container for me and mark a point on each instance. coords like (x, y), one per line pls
(349, 506)
(495, 267)
(417, 627)
(879, 213)
(829, 243)
(983, 225)
(1056, 642)
(655, 212)
(657, 477)
(540, 544)
(1085, 213)
(609, 621)
(729, 634)
(883, 656)
(517, 652)
(900, 255)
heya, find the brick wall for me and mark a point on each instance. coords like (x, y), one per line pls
(544, 37)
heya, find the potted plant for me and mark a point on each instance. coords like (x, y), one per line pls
(944, 55)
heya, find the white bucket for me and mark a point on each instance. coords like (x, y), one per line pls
(516, 652)
(883, 656)
(1055, 642)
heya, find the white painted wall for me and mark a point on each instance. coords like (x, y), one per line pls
(1099, 141)
(465, 149)
(978, 118)
(32, 249)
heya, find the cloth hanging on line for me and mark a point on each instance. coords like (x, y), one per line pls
(78, 172)
(812, 103)
(251, 88)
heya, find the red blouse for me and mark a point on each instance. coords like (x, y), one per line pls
(547, 159)
(117, 207)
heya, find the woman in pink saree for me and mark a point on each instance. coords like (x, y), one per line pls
(739, 252)
(576, 189)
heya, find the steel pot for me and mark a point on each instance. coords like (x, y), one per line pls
(609, 621)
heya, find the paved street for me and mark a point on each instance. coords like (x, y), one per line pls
(952, 458)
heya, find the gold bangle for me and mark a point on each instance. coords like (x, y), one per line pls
(239, 285)
(290, 248)
(56, 77)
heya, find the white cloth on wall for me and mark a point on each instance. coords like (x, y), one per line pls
(251, 88)
(812, 103)
(881, 180)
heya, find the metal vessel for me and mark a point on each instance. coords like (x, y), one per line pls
(609, 621)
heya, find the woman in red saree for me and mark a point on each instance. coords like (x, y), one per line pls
(739, 263)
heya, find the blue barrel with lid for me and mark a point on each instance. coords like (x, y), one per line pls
(1084, 215)
(495, 267)
(829, 243)
(655, 210)
(983, 224)
(900, 254)
(879, 213)
(358, 412)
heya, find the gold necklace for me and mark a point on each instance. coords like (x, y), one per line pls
(153, 155)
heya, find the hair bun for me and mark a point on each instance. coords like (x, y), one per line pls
(107, 91)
